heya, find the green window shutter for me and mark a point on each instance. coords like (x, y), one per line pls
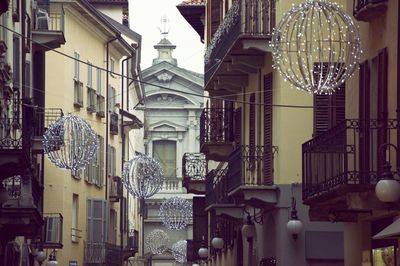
(268, 155)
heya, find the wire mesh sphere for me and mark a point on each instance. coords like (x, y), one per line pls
(176, 213)
(179, 251)
(70, 143)
(142, 176)
(316, 46)
(157, 241)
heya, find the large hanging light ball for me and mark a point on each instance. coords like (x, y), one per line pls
(179, 251)
(142, 176)
(70, 143)
(316, 46)
(157, 241)
(176, 213)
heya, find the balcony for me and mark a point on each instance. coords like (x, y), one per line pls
(217, 133)
(245, 30)
(49, 26)
(194, 169)
(52, 231)
(217, 197)
(132, 245)
(20, 214)
(171, 185)
(102, 254)
(115, 189)
(341, 166)
(250, 176)
(114, 123)
(366, 10)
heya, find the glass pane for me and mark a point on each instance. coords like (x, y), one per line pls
(97, 209)
(164, 151)
(383, 256)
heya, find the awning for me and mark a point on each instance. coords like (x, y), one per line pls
(391, 231)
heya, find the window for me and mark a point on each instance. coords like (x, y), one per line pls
(74, 222)
(112, 66)
(329, 110)
(16, 62)
(94, 171)
(53, 227)
(111, 158)
(112, 101)
(113, 227)
(97, 210)
(76, 65)
(90, 75)
(268, 155)
(78, 94)
(99, 84)
(164, 151)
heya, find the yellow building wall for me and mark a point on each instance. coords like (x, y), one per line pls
(59, 185)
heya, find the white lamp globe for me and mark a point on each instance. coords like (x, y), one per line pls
(388, 190)
(52, 263)
(217, 242)
(40, 256)
(203, 252)
(195, 264)
(294, 227)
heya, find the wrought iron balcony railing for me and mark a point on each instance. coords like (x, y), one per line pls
(247, 166)
(345, 157)
(13, 187)
(194, 166)
(245, 19)
(103, 254)
(216, 187)
(366, 10)
(14, 184)
(216, 126)
(11, 122)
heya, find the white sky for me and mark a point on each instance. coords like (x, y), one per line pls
(145, 16)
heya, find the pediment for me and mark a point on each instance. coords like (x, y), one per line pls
(166, 126)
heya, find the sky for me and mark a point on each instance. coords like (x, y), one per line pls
(145, 18)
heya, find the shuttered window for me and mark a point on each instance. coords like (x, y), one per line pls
(76, 66)
(164, 151)
(329, 110)
(113, 227)
(237, 121)
(252, 129)
(16, 62)
(96, 221)
(100, 161)
(111, 161)
(268, 155)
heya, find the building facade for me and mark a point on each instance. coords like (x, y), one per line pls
(252, 131)
(371, 111)
(172, 128)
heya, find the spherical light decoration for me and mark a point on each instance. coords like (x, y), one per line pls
(176, 213)
(203, 252)
(70, 143)
(217, 242)
(157, 241)
(388, 190)
(179, 251)
(316, 46)
(142, 176)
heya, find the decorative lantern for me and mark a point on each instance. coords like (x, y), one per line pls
(316, 46)
(294, 226)
(157, 241)
(176, 213)
(142, 176)
(70, 143)
(217, 242)
(387, 189)
(179, 251)
(203, 252)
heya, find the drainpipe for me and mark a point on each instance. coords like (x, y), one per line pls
(398, 72)
(106, 107)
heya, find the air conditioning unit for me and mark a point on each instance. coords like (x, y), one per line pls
(42, 19)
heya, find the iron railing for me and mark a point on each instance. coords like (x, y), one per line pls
(171, 184)
(246, 167)
(358, 5)
(103, 253)
(11, 122)
(245, 19)
(216, 126)
(115, 189)
(216, 187)
(346, 156)
(194, 166)
(13, 186)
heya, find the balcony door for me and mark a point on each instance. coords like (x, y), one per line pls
(164, 151)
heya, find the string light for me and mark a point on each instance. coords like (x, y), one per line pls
(179, 251)
(70, 143)
(176, 213)
(142, 176)
(316, 46)
(157, 241)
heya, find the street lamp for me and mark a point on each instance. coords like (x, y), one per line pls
(294, 226)
(52, 259)
(40, 256)
(387, 189)
(249, 231)
(203, 251)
